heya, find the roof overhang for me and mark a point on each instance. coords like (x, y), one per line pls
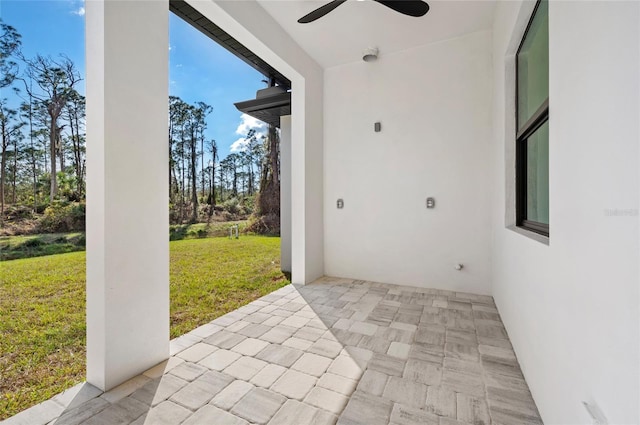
(267, 108)
(185, 11)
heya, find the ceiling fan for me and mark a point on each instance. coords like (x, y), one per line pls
(414, 8)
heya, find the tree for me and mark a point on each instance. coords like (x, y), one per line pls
(9, 45)
(197, 124)
(213, 149)
(56, 80)
(76, 112)
(266, 217)
(9, 130)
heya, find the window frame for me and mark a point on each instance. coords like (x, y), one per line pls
(537, 120)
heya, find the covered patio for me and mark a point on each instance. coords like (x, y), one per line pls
(408, 171)
(334, 351)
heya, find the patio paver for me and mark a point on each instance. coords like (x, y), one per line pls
(335, 351)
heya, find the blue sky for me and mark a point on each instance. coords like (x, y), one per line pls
(200, 69)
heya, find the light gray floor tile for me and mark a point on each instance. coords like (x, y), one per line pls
(213, 415)
(473, 410)
(224, 339)
(278, 334)
(220, 359)
(387, 364)
(312, 364)
(294, 384)
(337, 383)
(166, 413)
(232, 393)
(158, 390)
(400, 390)
(258, 406)
(267, 376)
(294, 412)
(199, 392)
(197, 352)
(365, 409)
(278, 354)
(250, 347)
(345, 351)
(407, 415)
(189, 371)
(326, 348)
(441, 401)
(326, 399)
(245, 368)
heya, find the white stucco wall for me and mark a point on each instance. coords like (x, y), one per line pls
(434, 105)
(571, 308)
(127, 186)
(285, 193)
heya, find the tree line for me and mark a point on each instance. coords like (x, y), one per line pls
(43, 145)
(197, 175)
(42, 138)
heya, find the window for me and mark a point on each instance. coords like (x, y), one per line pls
(532, 122)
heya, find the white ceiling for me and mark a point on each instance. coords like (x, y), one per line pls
(342, 35)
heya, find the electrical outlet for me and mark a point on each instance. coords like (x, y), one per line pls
(431, 203)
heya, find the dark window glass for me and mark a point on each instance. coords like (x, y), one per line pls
(538, 175)
(533, 66)
(532, 139)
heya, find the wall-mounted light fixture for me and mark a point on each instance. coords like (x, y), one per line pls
(370, 54)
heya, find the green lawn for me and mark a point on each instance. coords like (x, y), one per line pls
(28, 246)
(16, 247)
(42, 308)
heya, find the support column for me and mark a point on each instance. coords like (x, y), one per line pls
(285, 193)
(127, 188)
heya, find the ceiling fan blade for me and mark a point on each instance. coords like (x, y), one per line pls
(407, 7)
(320, 12)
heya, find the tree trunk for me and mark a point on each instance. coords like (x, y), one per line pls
(194, 177)
(3, 167)
(34, 164)
(15, 170)
(53, 130)
(267, 211)
(221, 184)
(204, 186)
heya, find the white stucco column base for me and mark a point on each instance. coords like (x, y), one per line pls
(127, 188)
(285, 193)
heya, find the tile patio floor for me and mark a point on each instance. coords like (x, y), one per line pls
(336, 351)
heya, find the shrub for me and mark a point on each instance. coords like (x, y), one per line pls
(177, 232)
(17, 212)
(80, 241)
(231, 205)
(32, 243)
(268, 225)
(63, 217)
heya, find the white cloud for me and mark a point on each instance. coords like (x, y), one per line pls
(79, 11)
(239, 145)
(250, 123)
(247, 124)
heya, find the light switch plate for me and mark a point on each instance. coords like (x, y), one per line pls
(431, 203)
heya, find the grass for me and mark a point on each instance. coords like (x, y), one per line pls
(16, 247)
(203, 230)
(42, 305)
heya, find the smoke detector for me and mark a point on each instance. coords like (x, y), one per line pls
(370, 54)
